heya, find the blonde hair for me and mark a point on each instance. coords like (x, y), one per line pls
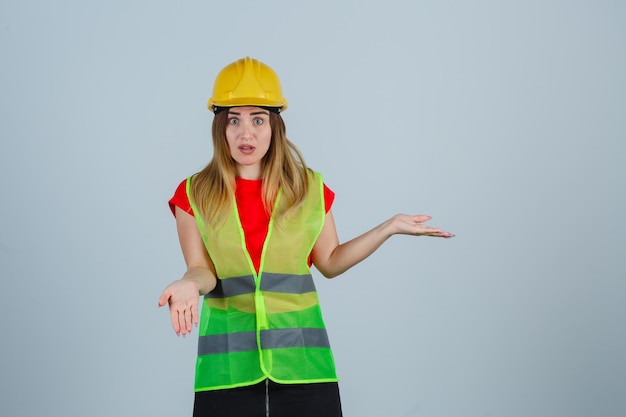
(213, 188)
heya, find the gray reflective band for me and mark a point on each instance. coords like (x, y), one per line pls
(284, 283)
(227, 343)
(229, 287)
(270, 339)
(286, 338)
(292, 284)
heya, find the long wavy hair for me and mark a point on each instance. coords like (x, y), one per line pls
(213, 188)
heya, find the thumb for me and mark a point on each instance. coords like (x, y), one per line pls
(421, 218)
(165, 296)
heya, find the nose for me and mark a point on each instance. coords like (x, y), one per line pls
(246, 129)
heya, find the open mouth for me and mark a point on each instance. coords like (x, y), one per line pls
(246, 148)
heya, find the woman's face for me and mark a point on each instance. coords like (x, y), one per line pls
(249, 135)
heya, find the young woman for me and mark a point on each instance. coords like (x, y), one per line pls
(250, 225)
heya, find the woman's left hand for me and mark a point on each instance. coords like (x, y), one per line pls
(406, 224)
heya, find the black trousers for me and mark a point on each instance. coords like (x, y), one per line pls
(269, 399)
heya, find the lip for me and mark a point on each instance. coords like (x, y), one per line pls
(246, 149)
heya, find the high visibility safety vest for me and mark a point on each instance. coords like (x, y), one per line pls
(268, 324)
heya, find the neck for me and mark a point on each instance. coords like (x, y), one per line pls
(249, 172)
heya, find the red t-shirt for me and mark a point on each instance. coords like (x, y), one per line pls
(254, 219)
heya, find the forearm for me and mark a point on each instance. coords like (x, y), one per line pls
(333, 259)
(202, 277)
(350, 253)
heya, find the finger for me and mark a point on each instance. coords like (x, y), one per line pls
(174, 319)
(421, 218)
(194, 313)
(188, 325)
(428, 231)
(442, 233)
(164, 298)
(181, 322)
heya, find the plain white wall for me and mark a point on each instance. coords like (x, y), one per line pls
(504, 120)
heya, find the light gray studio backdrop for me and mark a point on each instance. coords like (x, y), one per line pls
(504, 120)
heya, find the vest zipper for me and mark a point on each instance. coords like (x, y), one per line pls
(267, 397)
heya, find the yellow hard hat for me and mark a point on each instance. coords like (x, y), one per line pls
(247, 82)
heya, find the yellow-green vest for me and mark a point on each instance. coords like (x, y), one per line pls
(266, 325)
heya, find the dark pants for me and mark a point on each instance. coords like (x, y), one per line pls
(281, 400)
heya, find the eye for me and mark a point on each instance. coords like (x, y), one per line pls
(258, 121)
(233, 121)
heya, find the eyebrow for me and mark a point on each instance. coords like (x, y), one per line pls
(265, 112)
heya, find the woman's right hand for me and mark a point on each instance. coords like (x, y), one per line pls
(182, 297)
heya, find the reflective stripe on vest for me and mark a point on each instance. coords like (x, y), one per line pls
(270, 339)
(293, 284)
(266, 325)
